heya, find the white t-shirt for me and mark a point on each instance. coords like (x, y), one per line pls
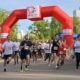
(8, 47)
(76, 44)
(43, 45)
(16, 46)
(47, 48)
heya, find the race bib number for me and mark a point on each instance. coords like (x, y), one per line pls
(55, 48)
(26, 47)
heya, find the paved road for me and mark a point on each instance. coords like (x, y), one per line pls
(41, 71)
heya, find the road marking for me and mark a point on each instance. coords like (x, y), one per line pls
(36, 75)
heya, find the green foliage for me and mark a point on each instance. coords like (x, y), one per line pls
(76, 25)
(55, 27)
(3, 15)
(44, 29)
(14, 32)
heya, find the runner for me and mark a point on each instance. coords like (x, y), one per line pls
(16, 51)
(7, 52)
(34, 53)
(42, 49)
(39, 50)
(77, 51)
(55, 50)
(25, 53)
(1, 50)
(47, 49)
(62, 53)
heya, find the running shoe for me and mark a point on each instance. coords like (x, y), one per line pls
(26, 69)
(21, 71)
(4, 69)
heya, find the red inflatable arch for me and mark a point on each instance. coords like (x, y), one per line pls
(54, 11)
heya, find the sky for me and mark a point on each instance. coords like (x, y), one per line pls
(66, 5)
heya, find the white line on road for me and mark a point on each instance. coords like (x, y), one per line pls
(36, 75)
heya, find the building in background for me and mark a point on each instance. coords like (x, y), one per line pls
(76, 13)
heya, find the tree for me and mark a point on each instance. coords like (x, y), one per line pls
(44, 29)
(3, 15)
(14, 32)
(76, 21)
(55, 27)
(41, 29)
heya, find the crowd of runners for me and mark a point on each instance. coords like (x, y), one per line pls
(54, 51)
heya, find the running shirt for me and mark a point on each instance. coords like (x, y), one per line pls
(16, 46)
(25, 46)
(43, 45)
(47, 48)
(61, 50)
(55, 46)
(8, 48)
(77, 44)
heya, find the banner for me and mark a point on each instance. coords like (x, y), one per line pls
(67, 32)
(33, 12)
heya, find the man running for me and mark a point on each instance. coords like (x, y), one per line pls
(25, 53)
(7, 52)
(55, 50)
(77, 51)
(47, 50)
